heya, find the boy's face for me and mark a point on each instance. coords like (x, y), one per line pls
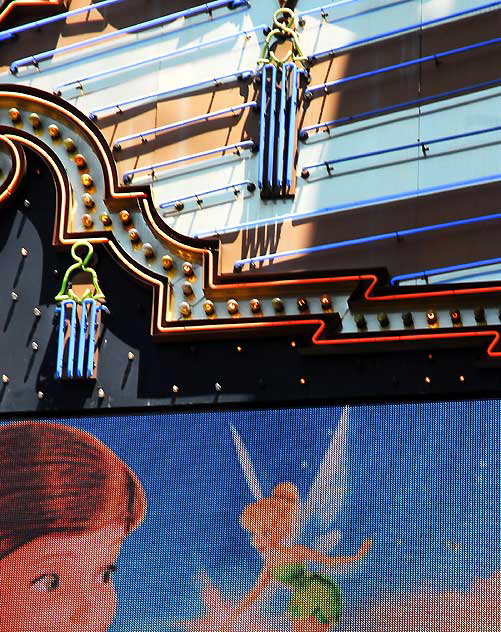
(61, 583)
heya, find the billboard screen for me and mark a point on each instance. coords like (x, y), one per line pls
(367, 518)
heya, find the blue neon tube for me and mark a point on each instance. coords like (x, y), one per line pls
(325, 87)
(271, 129)
(327, 210)
(93, 308)
(84, 325)
(390, 108)
(17, 30)
(262, 127)
(149, 60)
(215, 81)
(388, 150)
(281, 127)
(370, 239)
(434, 271)
(60, 309)
(411, 27)
(245, 144)
(162, 21)
(235, 186)
(195, 119)
(292, 125)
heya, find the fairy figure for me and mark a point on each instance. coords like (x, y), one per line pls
(315, 604)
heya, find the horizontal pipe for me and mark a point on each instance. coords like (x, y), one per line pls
(150, 60)
(388, 150)
(322, 9)
(395, 234)
(412, 27)
(303, 132)
(216, 81)
(197, 196)
(195, 119)
(162, 21)
(325, 87)
(245, 144)
(17, 30)
(327, 210)
(445, 270)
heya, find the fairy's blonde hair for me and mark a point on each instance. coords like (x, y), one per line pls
(278, 509)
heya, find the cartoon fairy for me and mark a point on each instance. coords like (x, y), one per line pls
(67, 503)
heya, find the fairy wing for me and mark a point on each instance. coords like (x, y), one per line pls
(246, 464)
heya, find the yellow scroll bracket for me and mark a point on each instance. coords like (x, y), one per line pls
(80, 264)
(284, 22)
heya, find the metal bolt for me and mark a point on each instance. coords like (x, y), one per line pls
(14, 296)
(40, 394)
(24, 252)
(175, 389)
(26, 204)
(100, 393)
(130, 356)
(34, 346)
(218, 387)
(5, 379)
(37, 312)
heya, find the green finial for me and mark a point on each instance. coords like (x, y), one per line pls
(80, 264)
(284, 21)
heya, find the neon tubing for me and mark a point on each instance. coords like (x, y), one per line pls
(423, 144)
(271, 129)
(94, 307)
(262, 127)
(245, 144)
(327, 210)
(292, 125)
(196, 119)
(434, 271)
(61, 337)
(149, 60)
(199, 196)
(16, 30)
(335, 5)
(411, 27)
(396, 234)
(325, 87)
(303, 132)
(216, 81)
(281, 127)
(84, 327)
(162, 21)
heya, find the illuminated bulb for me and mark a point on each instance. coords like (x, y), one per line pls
(167, 262)
(383, 319)
(232, 306)
(431, 317)
(325, 301)
(360, 321)
(53, 131)
(87, 200)
(187, 288)
(87, 180)
(124, 217)
(479, 314)
(14, 115)
(80, 161)
(302, 304)
(5, 379)
(185, 308)
(69, 144)
(293, 343)
(133, 235)
(209, 308)
(87, 221)
(427, 379)
(187, 268)
(175, 389)
(239, 349)
(130, 356)
(148, 250)
(255, 305)
(35, 120)
(277, 305)
(302, 381)
(105, 219)
(407, 319)
(461, 378)
(455, 316)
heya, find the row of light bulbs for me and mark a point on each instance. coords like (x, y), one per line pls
(431, 318)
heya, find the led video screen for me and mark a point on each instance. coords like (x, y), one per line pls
(366, 518)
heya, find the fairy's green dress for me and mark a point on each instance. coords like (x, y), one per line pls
(313, 594)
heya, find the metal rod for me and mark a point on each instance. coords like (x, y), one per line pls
(411, 27)
(271, 128)
(82, 339)
(390, 108)
(16, 30)
(162, 21)
(245, 144)
(195, 196)
(149, 60)
(327, 210)
(92, 335)
(120, 105)
(379, 152)
(325, 87)
(445, 270)
(281, 128)
(195, 119)
(395, 234)
(335, 5)
(291, 138)
(262, 127)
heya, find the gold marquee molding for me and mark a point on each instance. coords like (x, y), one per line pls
(191, 297)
